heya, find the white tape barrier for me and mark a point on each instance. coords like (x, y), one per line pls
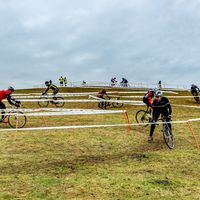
(175, 97)
(32, 95)
(69, 112)
(94, 126)
(116, 101)
(50, 96)
(54, 110)
(186, 106)
(81, 101)
(37, 95)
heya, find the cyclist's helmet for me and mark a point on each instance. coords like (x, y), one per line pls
(11, 89)
(103, 91)
(47, 83)
(151, 91)
(158, 93)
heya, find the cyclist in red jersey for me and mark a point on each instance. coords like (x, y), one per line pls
(148, 99)
(6, 94)
(102, 95)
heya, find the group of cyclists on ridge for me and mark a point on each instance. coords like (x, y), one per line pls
(123, 83)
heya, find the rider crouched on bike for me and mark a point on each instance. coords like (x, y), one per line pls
(102, 94)
(194, 90)
(124, 82)
(7, 94)
(161, 105)
(148, 100)
(52, 87)
(113, 81)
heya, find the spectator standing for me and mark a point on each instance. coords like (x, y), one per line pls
(61, 80)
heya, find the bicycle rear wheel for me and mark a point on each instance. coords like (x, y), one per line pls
(168, 136)
(141, 117)
(43, 102)
(196, 96)
(102, 104)
(17, 121)
(117, 105)
(59, 103)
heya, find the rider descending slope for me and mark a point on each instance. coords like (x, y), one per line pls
(161, 105)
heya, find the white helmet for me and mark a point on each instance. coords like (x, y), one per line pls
(158, 93)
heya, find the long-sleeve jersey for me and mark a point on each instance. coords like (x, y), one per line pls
(194, 88)
(102, 94)
(6, 94)
(148, 97)
(162, 107)
(52, 87)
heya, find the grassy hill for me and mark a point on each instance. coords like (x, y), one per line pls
(99, 163)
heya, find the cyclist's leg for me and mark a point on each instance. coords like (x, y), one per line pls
(105, 104)
(155, 118)
(55, 92)
(2, 106)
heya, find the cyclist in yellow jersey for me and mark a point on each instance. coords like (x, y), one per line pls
(52, 87)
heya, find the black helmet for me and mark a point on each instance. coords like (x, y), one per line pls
(47, 83)
(11, 88)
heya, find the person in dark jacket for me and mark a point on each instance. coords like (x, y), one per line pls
(161, 105)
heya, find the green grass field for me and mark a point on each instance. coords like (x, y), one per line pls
(100, 163)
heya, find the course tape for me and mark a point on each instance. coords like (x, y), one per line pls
(70, 112)
(80, 100)
(53, 109)
(116, 101)
(175, 97)
(38, 95)
(186, 106)
(96, 126)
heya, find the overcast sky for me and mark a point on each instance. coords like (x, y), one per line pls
(142, 40)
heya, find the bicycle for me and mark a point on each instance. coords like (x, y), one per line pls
(16, 119)
(122, 84)
(104, 104)
(143, 116)
(196, 96)
(167, 133)
(45, 100)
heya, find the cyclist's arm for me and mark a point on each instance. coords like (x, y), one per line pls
(107, 96)
(46, 91)
(11, 100)
(169, 107)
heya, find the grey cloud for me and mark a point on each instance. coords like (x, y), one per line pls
(144, 40)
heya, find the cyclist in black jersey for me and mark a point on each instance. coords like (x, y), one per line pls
(161, 105)
(52, 87)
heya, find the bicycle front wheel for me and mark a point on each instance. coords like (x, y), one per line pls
(117, 105)
(141, 117)
(43, 102)
(17, 121)
(59, 103)
(168, 136)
